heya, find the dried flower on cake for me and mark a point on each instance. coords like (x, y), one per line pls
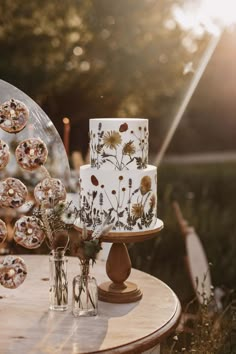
(129, 148)
(137, 210)
(152, 201)
(145, 185)
(112, 139)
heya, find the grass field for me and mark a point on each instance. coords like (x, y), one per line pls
(207, 196)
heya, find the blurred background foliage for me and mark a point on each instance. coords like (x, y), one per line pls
(136, 58)
(103, 58)
(206, 194)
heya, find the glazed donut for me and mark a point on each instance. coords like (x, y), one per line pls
(13, 193)
(14, 116)
(13, 272)
(31, 154)
(4, 154)
(3, 231)
(49, 192)
(28, 232)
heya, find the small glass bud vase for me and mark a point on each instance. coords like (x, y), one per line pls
(58, 292)
(85, 293)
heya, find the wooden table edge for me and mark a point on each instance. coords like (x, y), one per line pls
(149, 341)
(146, 342)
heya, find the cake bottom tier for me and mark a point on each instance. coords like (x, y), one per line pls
(128, 197)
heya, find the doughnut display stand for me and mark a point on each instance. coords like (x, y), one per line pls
(24, 122)
(25, 133)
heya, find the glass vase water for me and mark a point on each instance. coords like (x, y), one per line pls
(58, 292)
(85, 293)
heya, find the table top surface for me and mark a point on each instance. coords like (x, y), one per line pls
(27, 326)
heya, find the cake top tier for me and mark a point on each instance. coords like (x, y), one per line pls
(118, 143)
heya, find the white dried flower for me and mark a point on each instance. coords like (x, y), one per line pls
(69, 216)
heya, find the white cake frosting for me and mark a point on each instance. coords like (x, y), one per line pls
(118, 143)
(118, 182)
(129, 198)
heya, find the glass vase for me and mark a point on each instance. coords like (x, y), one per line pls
(85, 293)
(58, 292)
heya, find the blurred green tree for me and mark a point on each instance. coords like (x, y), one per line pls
(98, 58)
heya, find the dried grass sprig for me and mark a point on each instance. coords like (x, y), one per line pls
(89, 244)
(208, 333)
(59, 219)
(46, 226)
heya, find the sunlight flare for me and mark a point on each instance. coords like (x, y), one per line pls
(205, 16)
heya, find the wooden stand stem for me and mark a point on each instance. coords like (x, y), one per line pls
(118, 268)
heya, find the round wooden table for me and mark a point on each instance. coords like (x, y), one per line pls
(27, 326)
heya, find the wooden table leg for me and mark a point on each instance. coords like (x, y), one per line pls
(118, 268)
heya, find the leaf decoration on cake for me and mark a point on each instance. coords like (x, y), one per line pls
(123, 127)
(152, 201)
(93, 162)
(99, 148)
(141, 163)
(94, 194)
(94, 180)
(145, 185)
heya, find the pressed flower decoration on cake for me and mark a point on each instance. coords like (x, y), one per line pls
(131, 206)
(115, 149)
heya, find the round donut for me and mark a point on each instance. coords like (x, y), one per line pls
(13, 272)
(49, 192)
(13, 193)
(28, 232)
(14, 116)
(3, 231)
(31, 154)
(4, 154)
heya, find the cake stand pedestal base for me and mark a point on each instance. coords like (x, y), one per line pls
(130, 293)
(118, 267)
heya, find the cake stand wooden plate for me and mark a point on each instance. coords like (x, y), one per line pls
(136, 236)
(130, 236)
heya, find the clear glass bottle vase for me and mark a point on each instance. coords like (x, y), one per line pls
(85, 293)
(58, 291)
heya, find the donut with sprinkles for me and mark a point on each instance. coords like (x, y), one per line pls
(4, 154)
(14, 116)
(13, 272)
(28, 232)
(3, 231)
(49, 192)
(13, 193)
(31, 154)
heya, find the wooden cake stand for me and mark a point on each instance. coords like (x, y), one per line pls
(118, 266)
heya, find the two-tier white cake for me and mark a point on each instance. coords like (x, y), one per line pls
(119, 182)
